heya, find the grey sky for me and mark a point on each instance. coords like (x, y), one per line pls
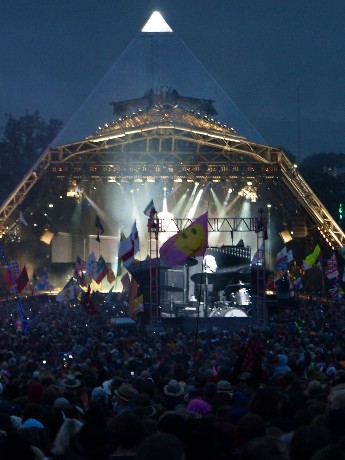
(262, 52)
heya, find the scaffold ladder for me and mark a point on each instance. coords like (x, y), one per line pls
(261, 309)
(153, 225)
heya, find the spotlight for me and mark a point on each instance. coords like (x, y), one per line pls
(286, 236)
(46, 236)
(73, 190)
(249, 192)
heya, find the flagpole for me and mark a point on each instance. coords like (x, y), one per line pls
(198, 313)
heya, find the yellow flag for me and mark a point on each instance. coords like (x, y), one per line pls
(110, 275)
(136, 306)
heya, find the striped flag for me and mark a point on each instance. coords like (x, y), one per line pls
(129, 246)
(333, 290)
(80, 264)
(332, 267)
(22, 280)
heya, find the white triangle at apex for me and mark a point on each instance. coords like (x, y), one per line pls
(156, 23)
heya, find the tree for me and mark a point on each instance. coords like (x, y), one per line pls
(23, 141)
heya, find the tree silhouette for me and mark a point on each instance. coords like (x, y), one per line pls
(23, 141)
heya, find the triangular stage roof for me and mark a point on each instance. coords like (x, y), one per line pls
(155, 58)
(150, 118)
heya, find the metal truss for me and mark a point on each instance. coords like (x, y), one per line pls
(20, 192)
(325, 223)
(215, 224)
(185, 146)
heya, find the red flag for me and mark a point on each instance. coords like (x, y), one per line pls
(8, 279)
(22, 280)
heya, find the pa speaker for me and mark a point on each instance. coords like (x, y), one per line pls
(299, 227)
(286, 236)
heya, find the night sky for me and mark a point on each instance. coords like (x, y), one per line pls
(275, 58)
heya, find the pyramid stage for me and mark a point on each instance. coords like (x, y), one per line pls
(158, 126)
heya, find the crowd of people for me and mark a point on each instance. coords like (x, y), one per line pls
(77, 387)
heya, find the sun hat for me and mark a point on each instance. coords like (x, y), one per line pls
(223, 386)
(92, 441)
(245, 376)
(199, 406)
(174, 388)
(32, 423)
(61, 403)
(99, 396)
(126, 392)
(107, 386)
(70, 382)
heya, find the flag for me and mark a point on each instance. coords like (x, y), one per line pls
(257, 257)
(68, 292)
(190, 242)
(333, 290)
(282, 253)
(80, 278)
(99, 225)
(107, 298)
(22, 219)
(22, 280)
(83, 280)
(150, 209)
(289, 255)
(126, 251)
(129, 246)
(135, 237)
(332, 267)
(12, 272)
(136, 306)
(87, 303)
(110, 275)
(281, 264)
(133, 289)
(102, 270)
(91, 266)
(119, 260)
(295, 286)
(126, 282)
(284, 257)
(312, 258)
(80, 264)
(43, 283)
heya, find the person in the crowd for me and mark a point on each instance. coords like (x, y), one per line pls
(62, 440)
(128, 432)
(161, 446)
(217, 392)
